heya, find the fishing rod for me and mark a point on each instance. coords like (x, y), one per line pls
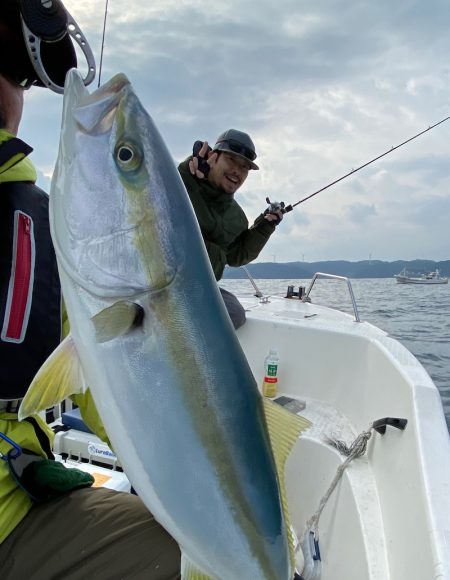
(286, 208)
(274, 206)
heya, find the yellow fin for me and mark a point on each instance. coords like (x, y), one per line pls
(284, 430)
(116, 320)
(59, 377)
(189, 571)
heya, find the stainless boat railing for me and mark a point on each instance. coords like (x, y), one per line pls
(305, 297)
(258, 292)
(334, 277)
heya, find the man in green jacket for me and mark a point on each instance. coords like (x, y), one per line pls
(212, 177)
(53, 524)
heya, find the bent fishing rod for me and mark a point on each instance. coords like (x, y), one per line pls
(273, 206)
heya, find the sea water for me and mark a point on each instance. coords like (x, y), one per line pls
(418, 316)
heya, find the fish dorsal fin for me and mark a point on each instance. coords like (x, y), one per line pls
(190, 571)
(59, 377)
(117, 320)
(284, 430)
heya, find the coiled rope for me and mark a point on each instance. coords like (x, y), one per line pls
(352, 451)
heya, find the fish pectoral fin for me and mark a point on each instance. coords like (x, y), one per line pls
(117, 320)
(59, 377)
(284, 430)
(190, 571)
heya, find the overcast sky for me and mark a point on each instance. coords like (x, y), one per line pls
(322, 87)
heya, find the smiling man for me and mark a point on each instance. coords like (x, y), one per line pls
(212, 177)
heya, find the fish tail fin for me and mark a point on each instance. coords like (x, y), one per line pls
(284, 430)
(59, 377)
(190, 571)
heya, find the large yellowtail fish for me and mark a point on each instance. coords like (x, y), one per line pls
(151, 337)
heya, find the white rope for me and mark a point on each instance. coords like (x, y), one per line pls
(353, 451)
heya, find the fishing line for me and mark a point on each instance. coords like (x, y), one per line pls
(103, 44)
(287, 208)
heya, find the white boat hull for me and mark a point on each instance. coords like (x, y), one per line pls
(388, 518)
(431, 278)
(405, 280)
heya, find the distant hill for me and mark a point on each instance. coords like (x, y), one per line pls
(363, 269)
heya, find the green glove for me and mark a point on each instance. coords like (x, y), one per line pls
(48, 479)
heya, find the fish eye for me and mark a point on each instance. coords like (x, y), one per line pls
(125, 154)
(128, 156)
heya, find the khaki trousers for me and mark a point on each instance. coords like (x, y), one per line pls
(90, 534)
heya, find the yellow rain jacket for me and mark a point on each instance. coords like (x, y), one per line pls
(34, 435)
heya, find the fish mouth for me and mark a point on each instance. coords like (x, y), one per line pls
(93, 112)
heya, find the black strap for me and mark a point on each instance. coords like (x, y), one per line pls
(10, 406)
(13, 147)
(42, 436)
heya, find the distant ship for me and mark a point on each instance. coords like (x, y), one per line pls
(430, 278)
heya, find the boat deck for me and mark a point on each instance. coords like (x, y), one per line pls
(393, 502)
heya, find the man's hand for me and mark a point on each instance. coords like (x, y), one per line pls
(202, 159)
(274, 213)
(274, 216)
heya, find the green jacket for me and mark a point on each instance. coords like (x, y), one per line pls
(224, 226)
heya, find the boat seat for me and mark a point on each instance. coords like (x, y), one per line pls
(73, 420)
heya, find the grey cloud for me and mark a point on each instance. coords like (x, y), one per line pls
(322, 86)
(432, 212)
(359, 212)
(429, 170)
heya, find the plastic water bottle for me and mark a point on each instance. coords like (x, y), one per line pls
(270, 382)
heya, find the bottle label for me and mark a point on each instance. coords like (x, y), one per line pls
(270, 382)
(272, 370)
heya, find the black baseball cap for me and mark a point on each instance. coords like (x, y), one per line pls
(239, 144)
(36, 45)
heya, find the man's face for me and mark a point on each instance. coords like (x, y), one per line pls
(228, 172)
(11, 105)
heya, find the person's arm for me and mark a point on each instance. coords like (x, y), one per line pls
(207, 223)
(249, 244)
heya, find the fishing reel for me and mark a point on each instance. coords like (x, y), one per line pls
(275, 206)
(37, 43)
